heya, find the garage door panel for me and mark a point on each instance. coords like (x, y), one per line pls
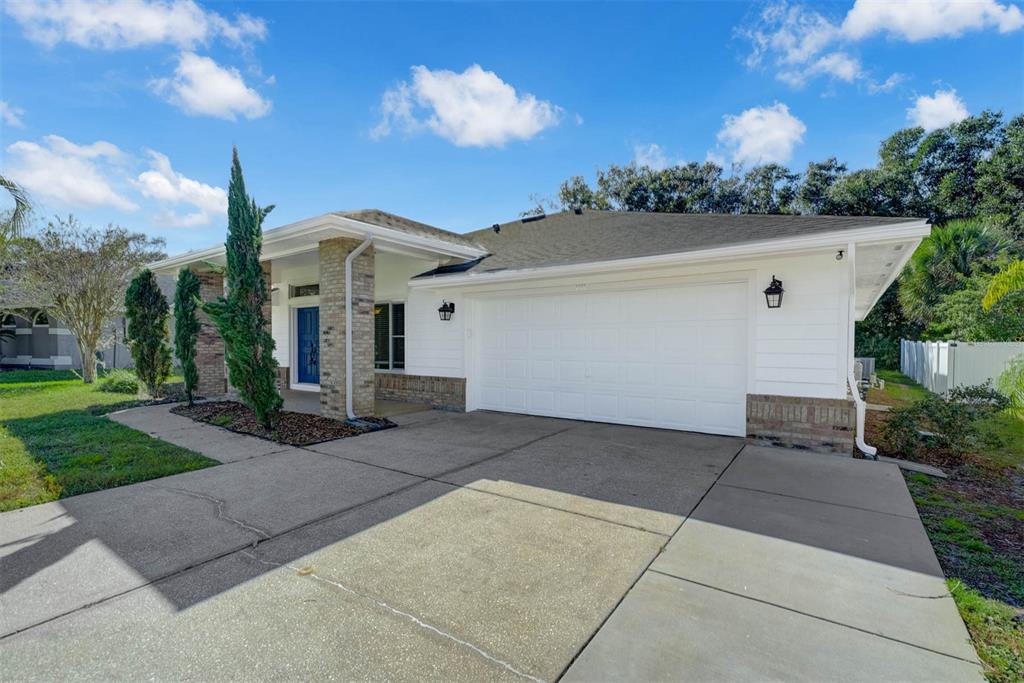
(571, 404)
(672, 357)
(678, 413)
(720, 376)
(678, 341)
(572, 371)
(639, 373)
(604, 407)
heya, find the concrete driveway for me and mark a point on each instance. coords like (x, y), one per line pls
(481, 546)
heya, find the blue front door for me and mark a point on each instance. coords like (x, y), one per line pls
(307, 325)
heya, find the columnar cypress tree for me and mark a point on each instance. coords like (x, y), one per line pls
(248, 346)
(186, 328)
(147, 311)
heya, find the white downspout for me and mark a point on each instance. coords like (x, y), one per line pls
(348, 323)
(870, 451)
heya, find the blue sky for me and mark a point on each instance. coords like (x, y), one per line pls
(454, 114)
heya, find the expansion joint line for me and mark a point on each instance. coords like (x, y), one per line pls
(397, 612)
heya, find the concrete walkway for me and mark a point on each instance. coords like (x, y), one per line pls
(480, 546)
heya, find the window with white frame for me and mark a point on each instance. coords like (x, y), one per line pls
(8, 321)
(389, 336)
(41, 320)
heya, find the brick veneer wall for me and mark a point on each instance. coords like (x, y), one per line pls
(209, 345)
(825, 425)
(446, 393)
(332, 328)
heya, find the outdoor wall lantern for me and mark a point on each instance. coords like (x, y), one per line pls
(773, 295)
(446, 310)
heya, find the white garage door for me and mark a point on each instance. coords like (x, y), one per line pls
(673, 357)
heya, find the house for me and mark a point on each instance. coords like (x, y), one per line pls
(659, 320)
(32, 337)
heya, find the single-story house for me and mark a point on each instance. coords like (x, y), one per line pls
(33, 338)
(725, 324)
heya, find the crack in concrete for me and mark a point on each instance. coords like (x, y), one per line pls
(264, 535)
(914, 595)
(405, 615)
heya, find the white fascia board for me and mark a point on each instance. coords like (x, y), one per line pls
(839, 240)
(305, 234)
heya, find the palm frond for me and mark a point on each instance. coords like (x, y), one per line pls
(22, 206)
(1007, 281)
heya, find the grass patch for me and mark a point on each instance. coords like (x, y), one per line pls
(975, 521)
(997, 632)
(55, 441)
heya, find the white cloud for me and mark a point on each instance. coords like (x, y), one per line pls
(762, 134)
(11, 115)
(123, 24)
(202, 87)
(72, 175)
(800, 42)
(916, 21)
(163, 184)
(887, 85)
(474, 108)
(938, 110)
(652, 156)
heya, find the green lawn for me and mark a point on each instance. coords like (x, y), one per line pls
(975, 521)
(55, 441)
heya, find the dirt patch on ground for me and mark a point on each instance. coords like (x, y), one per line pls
(975, 519)
(293, 429)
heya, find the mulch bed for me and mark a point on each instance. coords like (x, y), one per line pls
(293, 429)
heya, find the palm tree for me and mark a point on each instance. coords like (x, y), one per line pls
(944, 259)
(14, 226)
(1007, 281)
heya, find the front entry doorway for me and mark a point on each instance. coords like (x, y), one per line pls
(307, 328)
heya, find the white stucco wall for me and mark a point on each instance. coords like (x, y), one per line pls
(799, 349)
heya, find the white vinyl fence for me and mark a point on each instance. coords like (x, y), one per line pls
(941, 366)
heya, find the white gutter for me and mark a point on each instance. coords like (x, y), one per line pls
(836, 239)
(348, 322)
(870, 451)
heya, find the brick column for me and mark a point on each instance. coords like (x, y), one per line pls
(332, 328)
(209, 345)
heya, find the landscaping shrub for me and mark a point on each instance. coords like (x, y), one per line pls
(186, 328)
(148, 313)
(946, 426)
(120, 382)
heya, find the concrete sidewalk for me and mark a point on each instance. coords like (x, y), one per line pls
(794, 567)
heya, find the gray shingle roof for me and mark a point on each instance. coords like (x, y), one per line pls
(567, 238)
(390, 220)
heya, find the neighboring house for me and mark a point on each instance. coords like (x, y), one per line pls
(37, 340)
(657, 320)
(34, 338)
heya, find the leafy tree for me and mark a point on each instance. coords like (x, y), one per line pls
(947, 162)
(960, 315)
(146, 309)
(249, 347)
(943, 262)
(575, 193)
(14, 223)
(1000, 183)
(186, 328)
(81, 275)
(769, 188)
(879, 334)
(814, 194)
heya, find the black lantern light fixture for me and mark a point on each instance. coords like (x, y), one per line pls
(773, 295)
(446, 310)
